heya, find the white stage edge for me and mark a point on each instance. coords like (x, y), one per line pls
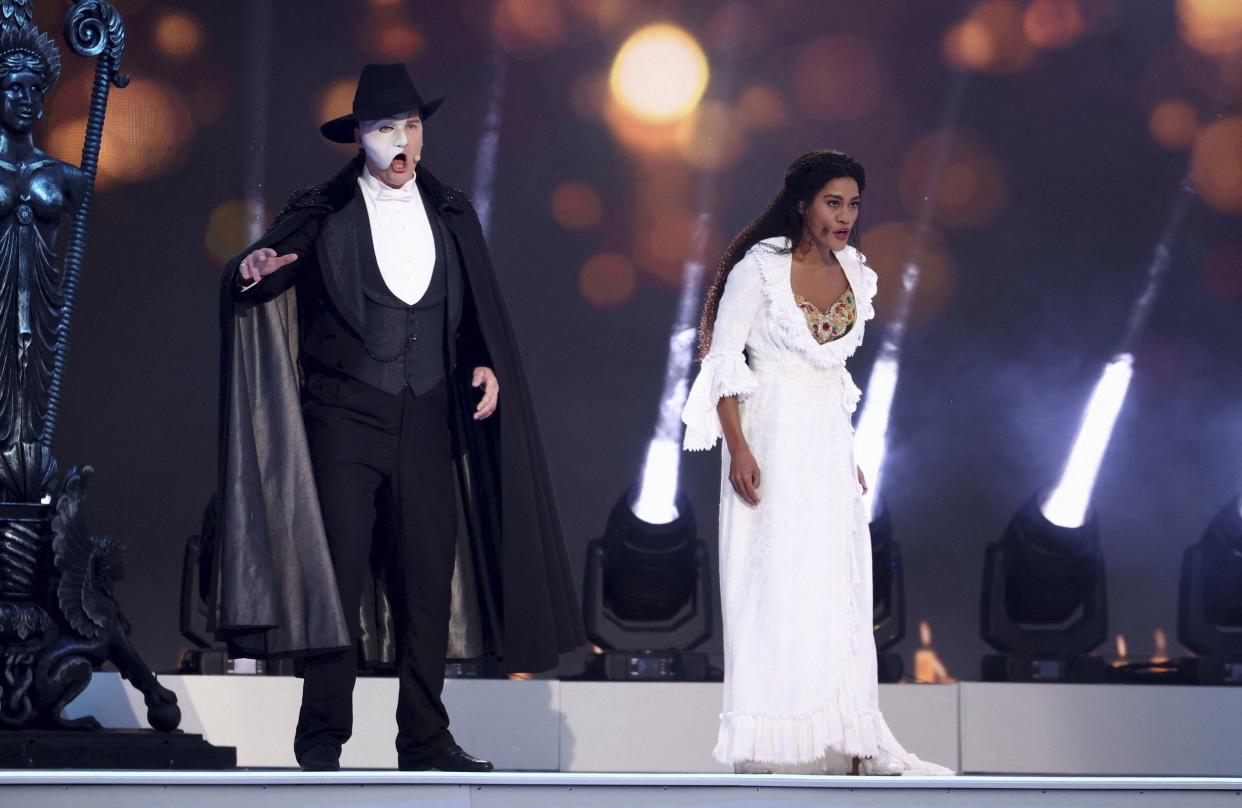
(432, 790)
(551, 726)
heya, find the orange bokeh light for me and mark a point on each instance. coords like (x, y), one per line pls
(712, 138)
(969, 45)
(888, 247)
(607, 280)
(576, 206)
(228, 229)
(1173, 124)
(762, 107)
(604, 15)
(178, 35)
(972, 188)
(1216, 164)
(991, 39)
(1211, 26)
(397, 42)
(837, 78)
(639, 136)
(527, 24)
(1053, 23)
(335, 100)
(148, 130)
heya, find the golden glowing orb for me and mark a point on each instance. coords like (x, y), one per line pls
(1216, 164)
(1174, 124)
(577, 206)
(179, 35)
(1211, 26)
(660, 73)
(607, 280)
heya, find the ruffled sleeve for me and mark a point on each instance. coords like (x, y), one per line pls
(724, 371)
(870, 284)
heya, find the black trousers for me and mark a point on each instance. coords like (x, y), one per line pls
(363, 441)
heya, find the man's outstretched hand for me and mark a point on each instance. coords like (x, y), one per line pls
(485, 378)
(263, 262)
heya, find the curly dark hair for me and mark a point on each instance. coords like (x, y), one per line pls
(783, 217)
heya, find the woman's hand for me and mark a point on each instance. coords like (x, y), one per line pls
(862, 478)
(744, 475)
(263, 262)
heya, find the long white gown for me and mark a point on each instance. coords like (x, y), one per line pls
(795, 573)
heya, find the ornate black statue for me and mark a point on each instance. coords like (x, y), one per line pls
(58, 618)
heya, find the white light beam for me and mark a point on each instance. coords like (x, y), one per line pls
(1069, 502)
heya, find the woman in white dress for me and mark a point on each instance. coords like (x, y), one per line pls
(786, 309)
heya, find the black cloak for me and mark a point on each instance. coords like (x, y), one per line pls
(273, 590)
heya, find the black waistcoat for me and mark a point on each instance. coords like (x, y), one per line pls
(384, 343)
(404, 343)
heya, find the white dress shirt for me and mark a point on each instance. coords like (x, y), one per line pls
(401, 233)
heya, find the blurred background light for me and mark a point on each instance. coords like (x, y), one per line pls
(761, 106)
(229, 229)
(660, 73)
(837, 78)
(528, 24)
(577, 206)
(1174, 123)
(992, 39)
(149, 130)
(973, 188)
(603, 15)
(1053, 23)
(1222, 272)
(1216, 164)
(1211, 26)
(710, 139)
(888, 247)
(607, 280)
(335, 99)
(178, 35)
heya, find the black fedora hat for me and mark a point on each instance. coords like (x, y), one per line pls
(383, 90)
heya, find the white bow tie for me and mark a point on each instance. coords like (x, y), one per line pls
(397, 194)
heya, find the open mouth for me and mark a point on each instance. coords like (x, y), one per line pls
(400, 163)
(842, 234)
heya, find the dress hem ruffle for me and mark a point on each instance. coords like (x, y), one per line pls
(839, 725)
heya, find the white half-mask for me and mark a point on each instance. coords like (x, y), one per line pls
(382, 146)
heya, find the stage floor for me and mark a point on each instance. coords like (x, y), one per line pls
(372, 789)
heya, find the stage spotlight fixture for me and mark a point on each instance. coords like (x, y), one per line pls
(1044, 600)
(888, 596)
(647, 597)
(1209, 620)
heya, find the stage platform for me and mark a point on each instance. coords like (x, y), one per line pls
(550, 726)
(372, 789)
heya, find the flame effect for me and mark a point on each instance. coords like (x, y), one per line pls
(928, 667)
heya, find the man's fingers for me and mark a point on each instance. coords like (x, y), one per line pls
(283, 260)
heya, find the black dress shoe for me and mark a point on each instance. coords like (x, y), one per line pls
(320, 758)
(451, 758)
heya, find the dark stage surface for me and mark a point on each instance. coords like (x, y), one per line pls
(1064, 171)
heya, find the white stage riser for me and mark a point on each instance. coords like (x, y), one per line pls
(982, 728)
(372, 790)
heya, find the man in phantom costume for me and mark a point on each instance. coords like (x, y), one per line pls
(359, 467)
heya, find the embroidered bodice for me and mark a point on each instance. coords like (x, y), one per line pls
(833, 323)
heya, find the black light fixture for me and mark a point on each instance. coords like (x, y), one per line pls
(648, 597)
(1044, 603)
(1209, 615)
(888, 596)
